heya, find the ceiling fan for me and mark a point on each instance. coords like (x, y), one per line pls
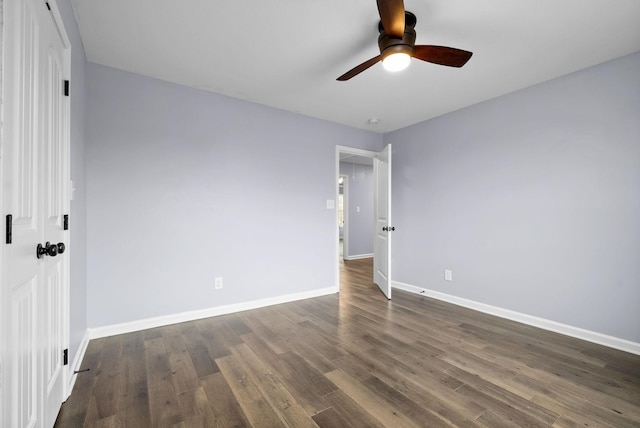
(397, 43)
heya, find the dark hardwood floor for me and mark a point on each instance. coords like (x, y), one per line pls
(353, 360)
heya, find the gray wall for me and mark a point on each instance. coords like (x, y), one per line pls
(532, 199)
(185, 185)
(360, 239)
(78, 292)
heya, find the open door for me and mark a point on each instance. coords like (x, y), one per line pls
(382, 244)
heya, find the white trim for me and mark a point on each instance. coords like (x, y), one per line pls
(128, 327)
(68, 376)
(336, 258)
(356, 152)
(568, 330)
(77, 362)
(359, 256)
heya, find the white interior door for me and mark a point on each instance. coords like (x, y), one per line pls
(345, 216)
(34, 183)
(54, 203)
(20, 200)
(382, 244)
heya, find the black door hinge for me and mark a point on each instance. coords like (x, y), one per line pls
(66, 88)
(9, 226)
(48, 6)
(65, 357)
(65, 222)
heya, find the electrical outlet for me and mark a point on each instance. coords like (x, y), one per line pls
(448, 276)
(218, 283)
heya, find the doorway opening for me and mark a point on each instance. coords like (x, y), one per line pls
(355, 216)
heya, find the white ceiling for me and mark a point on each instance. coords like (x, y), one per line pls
(288, 53)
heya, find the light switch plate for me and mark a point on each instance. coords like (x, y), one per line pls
(331, 204)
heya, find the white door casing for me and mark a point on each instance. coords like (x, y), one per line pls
(382, 214)
(382, 241)
(35, 168)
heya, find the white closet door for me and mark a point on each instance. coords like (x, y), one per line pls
(34, 183)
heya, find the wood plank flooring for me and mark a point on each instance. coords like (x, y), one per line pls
(353, 360)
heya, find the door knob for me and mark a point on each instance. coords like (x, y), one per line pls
(61, 247)
(47, 250)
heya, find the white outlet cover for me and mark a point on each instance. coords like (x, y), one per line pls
(448, 275)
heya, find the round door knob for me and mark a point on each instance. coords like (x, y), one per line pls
(61, 247)
(52, 250)
(46, 250)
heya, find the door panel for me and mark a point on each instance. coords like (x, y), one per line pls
(53, 139)
(52, 344)
(22, 166)
(24, 374)
(20, 193)
(25, 123)
(382, 250)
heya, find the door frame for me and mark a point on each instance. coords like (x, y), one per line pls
(3, 344)
(67, 372)
(56, 16)
(356, 152)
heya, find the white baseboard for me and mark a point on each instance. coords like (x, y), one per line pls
(128, 327)
(77, 362)
(358, 256)
(591, 336)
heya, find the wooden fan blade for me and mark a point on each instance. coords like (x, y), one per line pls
(392, 17)
(442, 55)
(358, 69)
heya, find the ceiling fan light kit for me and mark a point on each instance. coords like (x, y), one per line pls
(397, 43)
(396, 61)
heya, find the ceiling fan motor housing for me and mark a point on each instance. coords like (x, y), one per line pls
(390, 45)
